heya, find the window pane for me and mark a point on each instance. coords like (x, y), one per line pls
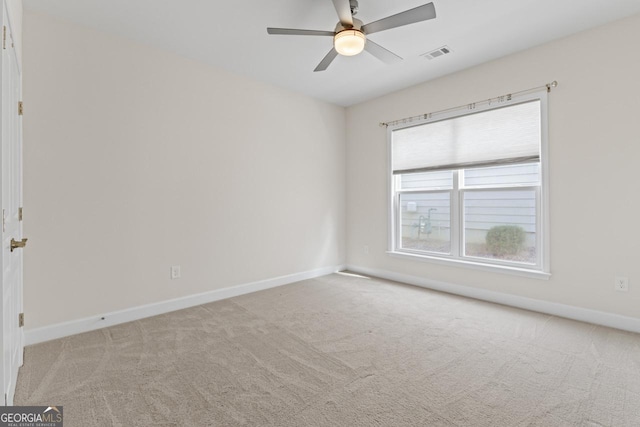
(425, 221)
(527, 174)
(501, 225)
(427, 180)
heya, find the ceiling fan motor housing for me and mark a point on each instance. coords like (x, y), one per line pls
(357, 25)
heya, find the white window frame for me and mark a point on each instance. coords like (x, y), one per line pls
(542, 268)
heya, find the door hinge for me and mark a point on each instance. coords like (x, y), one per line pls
(21, 320)
(4, 221)
(4, 36)
(20, 108)
(20, 214)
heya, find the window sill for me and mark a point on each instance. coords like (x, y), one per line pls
(524, 272)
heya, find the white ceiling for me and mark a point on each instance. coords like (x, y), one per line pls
(476, 31)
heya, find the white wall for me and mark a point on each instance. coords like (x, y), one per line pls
(137, 159)
(594, 152)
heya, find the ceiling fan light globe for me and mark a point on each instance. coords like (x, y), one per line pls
(349, 42)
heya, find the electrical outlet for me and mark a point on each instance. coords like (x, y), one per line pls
(622, 284)
(175, 272)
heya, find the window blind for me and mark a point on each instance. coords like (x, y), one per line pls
(505, 135)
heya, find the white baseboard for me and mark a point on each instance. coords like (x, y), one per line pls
(617, 321)
(60, 330)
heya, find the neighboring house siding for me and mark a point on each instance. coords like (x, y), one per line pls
(487, 209)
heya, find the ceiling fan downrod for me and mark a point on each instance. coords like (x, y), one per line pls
(354, 7)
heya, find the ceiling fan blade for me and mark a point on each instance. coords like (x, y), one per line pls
(344, 12)
(326, 61)
(381, 53)
(294, 32)
(411, 16)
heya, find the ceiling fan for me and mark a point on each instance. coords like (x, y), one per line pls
(350, 35)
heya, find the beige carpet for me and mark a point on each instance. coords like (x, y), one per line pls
(341, 351)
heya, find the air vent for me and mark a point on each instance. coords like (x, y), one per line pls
(441, 51)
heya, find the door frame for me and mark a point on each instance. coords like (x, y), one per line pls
(9, 384)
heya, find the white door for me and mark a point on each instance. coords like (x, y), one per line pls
(11, 176)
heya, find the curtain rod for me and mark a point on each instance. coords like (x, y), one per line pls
(470, 106)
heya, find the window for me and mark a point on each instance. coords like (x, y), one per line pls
(468, 188)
